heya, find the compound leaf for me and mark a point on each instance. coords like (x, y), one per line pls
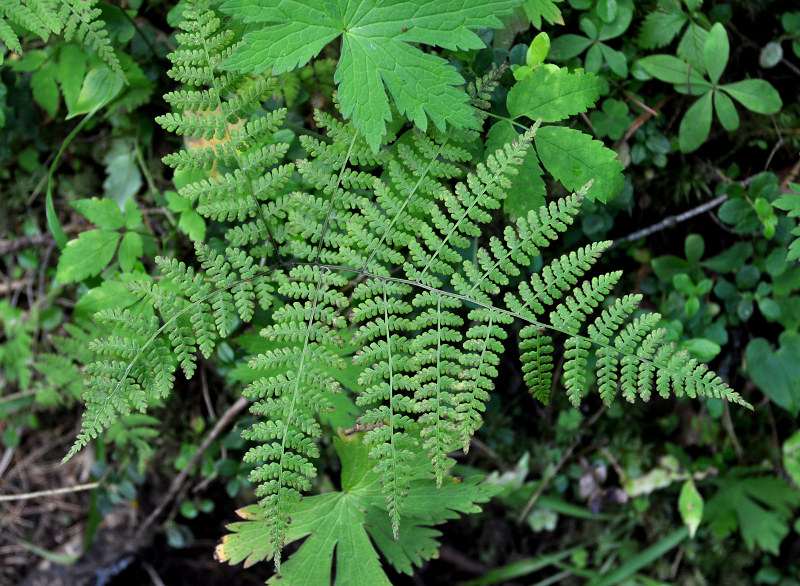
(343, 522)
(376, 54)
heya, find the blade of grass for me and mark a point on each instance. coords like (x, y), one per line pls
(644, 559)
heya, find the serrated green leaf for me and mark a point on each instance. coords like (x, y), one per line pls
(375, 53)
(103, 213)
(726, 111)
(574, 158)
(756, 95)
(86, 255)
(130, 250)
(691, 46)
(133, 215)
(528, 190)
(696, 124)
(553, 96)
(660, 28)
(343, 522)
(536, 10)
(716, 52)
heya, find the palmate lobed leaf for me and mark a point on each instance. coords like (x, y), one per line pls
(348, 522)
(375, 52)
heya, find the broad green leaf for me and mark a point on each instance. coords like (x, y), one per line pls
(375, 53)
(716, 52)
(536, 10)
(612, 120)
(537, 52)
(528, 190)
(726, 111)
(696, 124)
(44, 88)
(670, 69)
(566, 47)
(701, 348)
(691, 46)
(777, 373)
(756, 95)
(87, 255)
(693, 247)
(130, 250)
(133, 216)
(71, 71)
(619, 24)
(594, 59)
(109, 294)
(123, 179)
(731, 259)
(553, 96)
(791, 457)
(760, 506)
(690, 505)
(660, 28)
(616, 60)
(607, 10)
(574, 158)
(340, 527)
(100, 86)
(103, 213)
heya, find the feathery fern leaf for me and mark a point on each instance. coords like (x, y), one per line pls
(80, 19)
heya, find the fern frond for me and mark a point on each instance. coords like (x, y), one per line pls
(387, 379)
(81, 22)
(39, 17)
(290, 401)
(453, 225)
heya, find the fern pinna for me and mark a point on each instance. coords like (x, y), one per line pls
(366, 245)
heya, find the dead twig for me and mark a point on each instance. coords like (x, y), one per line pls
(564, 458)
(180, 479)
(51, 492)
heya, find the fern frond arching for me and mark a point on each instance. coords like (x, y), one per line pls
(81, 21)
(291, 400)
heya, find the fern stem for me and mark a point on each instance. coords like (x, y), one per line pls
(288, 416)
(333, 198)
(394, 513)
